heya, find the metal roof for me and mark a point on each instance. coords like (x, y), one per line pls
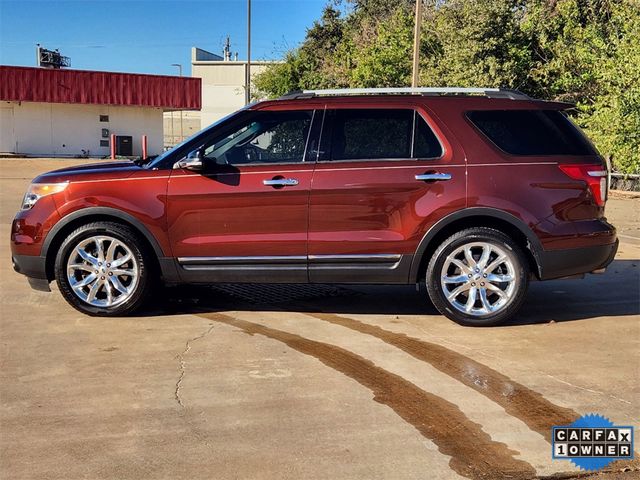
(29, 84)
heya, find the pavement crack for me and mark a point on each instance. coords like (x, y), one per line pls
(597, 392)
(183, 363)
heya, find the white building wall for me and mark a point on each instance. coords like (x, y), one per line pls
(56, 129)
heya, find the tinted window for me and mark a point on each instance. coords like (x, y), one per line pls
(532, 132)
(364, 134)
(368, 134)
(264, 137)
(426, 145)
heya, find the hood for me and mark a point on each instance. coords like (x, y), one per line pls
(92, 171)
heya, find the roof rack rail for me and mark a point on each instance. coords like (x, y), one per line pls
(487, 92)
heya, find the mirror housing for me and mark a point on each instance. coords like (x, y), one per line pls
(194, 161)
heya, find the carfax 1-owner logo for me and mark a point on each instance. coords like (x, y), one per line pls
(592, 442)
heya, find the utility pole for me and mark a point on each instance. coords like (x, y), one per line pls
(247, 72)
(226, 50)
(181, 128)
(416, 45)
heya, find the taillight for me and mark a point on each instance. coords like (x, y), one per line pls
(595, 177)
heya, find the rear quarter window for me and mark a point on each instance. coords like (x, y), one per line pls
(532, 132)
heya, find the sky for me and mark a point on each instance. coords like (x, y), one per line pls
(144, 36)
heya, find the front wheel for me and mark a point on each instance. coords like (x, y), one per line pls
(102, 269)
(478, 277)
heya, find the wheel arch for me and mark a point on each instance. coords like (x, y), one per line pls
(70, 222)
(476, 217)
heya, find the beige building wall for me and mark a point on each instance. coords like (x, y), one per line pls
(57, 129)
(175, 129)
(222, 86)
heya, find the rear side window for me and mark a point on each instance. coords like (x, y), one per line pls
(532, 132)
(372, 134)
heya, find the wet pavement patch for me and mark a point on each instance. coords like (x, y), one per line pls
(473, 453)
(538, 413)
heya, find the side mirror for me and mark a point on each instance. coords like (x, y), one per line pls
(193, 162)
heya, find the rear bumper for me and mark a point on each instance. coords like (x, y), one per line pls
(576, 261)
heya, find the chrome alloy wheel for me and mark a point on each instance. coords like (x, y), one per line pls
(102, 271)
(479, 278)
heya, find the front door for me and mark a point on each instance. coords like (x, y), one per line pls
(245, 218)
(384, 176)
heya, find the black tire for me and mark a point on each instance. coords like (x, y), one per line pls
(133, 241)
(476, 235)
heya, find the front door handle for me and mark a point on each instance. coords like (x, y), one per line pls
(433, 177)
(281, 182)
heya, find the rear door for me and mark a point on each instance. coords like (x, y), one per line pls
(245, 217)
(384, 175)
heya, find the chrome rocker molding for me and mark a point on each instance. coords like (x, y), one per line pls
(198, 262)
(376, 268)
(375, 259)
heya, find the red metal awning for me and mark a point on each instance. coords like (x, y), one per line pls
(29, 84)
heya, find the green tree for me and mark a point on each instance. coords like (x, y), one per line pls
(474, 43)
(612, 119)
(582, 51)
(588, 52)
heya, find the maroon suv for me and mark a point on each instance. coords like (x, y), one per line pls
(473, 191)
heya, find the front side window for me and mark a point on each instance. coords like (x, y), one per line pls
(264, 137)
(532, 132)
(375, 134)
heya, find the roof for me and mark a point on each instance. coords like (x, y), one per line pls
(30, 84)
(447, 97)
(448, 102)
(198, 54)
(438, 91)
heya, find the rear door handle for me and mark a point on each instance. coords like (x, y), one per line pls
(433, 177)
(281, 182)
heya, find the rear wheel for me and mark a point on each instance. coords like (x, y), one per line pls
(102, 269)
(478, 277)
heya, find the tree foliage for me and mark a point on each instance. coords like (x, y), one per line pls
(583, 51)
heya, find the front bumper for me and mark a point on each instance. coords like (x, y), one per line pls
(35, 269)
(576, 261)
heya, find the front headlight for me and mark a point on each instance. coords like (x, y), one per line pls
(38, 190)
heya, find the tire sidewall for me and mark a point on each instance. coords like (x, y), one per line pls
(492, 237)
(125, 235)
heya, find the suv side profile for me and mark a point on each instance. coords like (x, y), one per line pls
(473, 191)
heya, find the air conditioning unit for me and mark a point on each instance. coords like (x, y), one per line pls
(124, 145)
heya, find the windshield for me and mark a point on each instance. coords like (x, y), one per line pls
(182, 148)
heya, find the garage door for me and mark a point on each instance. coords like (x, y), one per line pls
(7, 139)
